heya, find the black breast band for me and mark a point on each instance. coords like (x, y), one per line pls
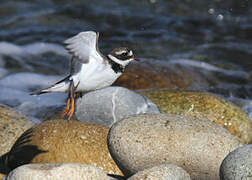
(115, 66)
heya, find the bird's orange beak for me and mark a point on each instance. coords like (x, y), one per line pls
(133, 57)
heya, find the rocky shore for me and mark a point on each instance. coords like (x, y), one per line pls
(120, 134)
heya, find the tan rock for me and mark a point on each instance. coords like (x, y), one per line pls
(12, 125)
(54, 171)
(204, 106)
(162, 172)
(196, 145)
(59, 141)
(1, 175)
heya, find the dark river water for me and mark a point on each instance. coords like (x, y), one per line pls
(213, 35)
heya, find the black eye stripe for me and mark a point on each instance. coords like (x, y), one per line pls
(121, 57)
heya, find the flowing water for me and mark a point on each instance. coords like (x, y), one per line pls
(214, 36)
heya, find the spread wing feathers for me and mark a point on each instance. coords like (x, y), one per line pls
(83, 46)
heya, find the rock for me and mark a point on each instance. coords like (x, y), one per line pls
(204, 106)
(109, 105)
(58, 141)
(149, 74)
(2, 175)
(237, 164)
(116, 177)
(196, 145)
(177, 73)
(162, 172)
(57, 171)
(43, 112)
(12, 125)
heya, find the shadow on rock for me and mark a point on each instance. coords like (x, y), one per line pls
(20, 153)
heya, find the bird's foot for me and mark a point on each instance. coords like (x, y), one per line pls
(66, 109)
(71, 111)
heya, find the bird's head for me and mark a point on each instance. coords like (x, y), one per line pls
(122, 56)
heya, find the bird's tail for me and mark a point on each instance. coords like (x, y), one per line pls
(39, 92)
(61, 86)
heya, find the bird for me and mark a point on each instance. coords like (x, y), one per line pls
(90, 70)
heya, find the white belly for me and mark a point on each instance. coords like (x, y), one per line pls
(94, 76)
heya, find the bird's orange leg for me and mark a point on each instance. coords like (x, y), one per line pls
(71, 111)
(70, 100)
(66, 109)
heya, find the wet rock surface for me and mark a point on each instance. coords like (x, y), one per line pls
(109, 105)
(196, 145)
(205, 106)
(152, 74)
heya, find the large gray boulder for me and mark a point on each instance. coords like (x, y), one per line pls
(144, 141)
(109, 105)
(238, 164)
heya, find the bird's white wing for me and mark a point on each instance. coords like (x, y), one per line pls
(84, 46)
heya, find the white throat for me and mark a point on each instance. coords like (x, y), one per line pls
(123, 63)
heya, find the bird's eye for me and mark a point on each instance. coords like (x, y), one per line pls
(124, 54)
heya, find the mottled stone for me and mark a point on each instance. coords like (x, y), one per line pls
(109, 105)
(12, 125)
(162, 172)
(204, 106)
(57, 171)
(196, 145)
(58, 141)
(237, 164)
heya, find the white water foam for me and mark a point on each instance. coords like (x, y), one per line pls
(26, 80)
(40, 48)
(245, 47)
(208, 67)
(16, 88)
(28, 105)
(36, 48)
(9, 49)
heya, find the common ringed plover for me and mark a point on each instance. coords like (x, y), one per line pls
(90, 69)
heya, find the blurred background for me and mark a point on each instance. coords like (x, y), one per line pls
(211, 39)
